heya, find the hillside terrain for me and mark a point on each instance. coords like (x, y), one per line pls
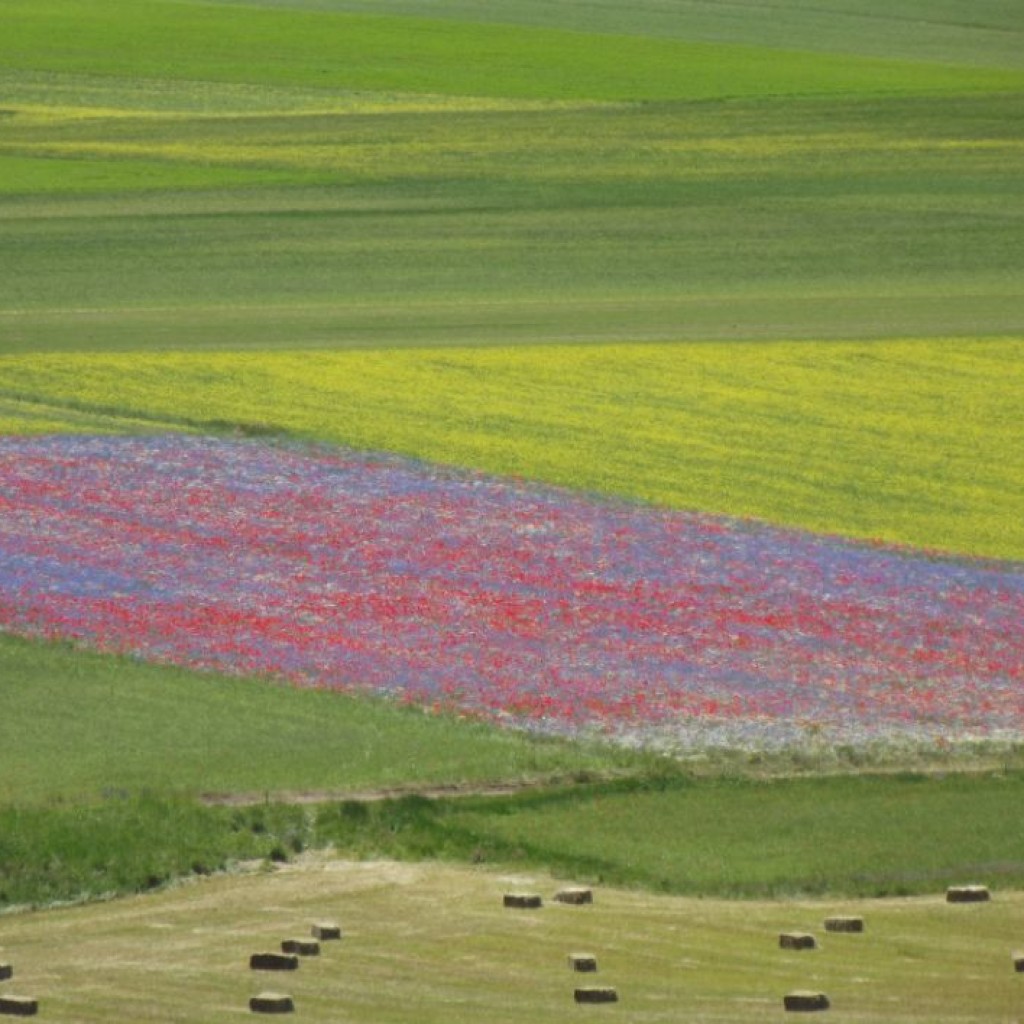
(611, 416)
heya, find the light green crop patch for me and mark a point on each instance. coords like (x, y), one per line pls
(158, 39)
(51, 174)
(919, 442)
(942, 31)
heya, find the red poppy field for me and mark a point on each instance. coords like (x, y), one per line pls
(524, 605)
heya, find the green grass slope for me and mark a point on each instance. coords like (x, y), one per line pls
(181, 174)
(102, 759)
(328, 49)
(80, 728)
(100, 782)
(866, 836)
(368, 226)
(987, 33)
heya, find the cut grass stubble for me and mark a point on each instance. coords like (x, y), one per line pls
(429, 944)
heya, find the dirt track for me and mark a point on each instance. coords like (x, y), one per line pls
(323, 796)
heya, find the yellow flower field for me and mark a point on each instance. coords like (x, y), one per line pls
(919, 442)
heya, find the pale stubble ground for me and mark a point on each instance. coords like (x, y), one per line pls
(425, 942)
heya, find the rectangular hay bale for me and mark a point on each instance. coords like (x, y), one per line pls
(19, 1006)
(522, 900)
(583, 962)
(593, 994)
(326, 930)
(844, 923)
(273, 962)
(576, 896)
(797, 940)
(301, 947)
(272, 1002)
(967, 894)
(805, 1001)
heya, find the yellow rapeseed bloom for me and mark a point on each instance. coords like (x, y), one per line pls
(912, 441)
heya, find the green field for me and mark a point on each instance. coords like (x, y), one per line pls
(104, 758)
(987, 34)
(203, 175)
(291, 44)
(758, 260)
(363, 222)
(79, 727)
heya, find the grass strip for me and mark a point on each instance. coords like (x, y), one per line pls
(993, 35)
(857, 835)
(80, 728)
(126, 844)
(755, 219)
(668, 832)
(160, 39)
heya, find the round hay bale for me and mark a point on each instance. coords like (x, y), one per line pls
(576, 896)
(301, 947)
(273, 962)
(326, 930)
(19, 1006)
(6, 971)
(1018, 962)
(523, 900)
(272, 1002)
(967, 894)
(797, 940)
(593, 994)
(844, 924)
(582, 962)
(805, 1001)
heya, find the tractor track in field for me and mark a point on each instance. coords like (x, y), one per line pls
(457, 790)
(374, 795)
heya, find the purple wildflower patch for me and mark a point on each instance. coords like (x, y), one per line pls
(513, 602)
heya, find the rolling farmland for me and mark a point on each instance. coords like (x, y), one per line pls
(566, 371)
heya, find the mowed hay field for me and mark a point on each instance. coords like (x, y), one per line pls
(759, 265)
(426, 943)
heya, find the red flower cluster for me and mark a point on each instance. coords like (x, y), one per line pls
(514, 602)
